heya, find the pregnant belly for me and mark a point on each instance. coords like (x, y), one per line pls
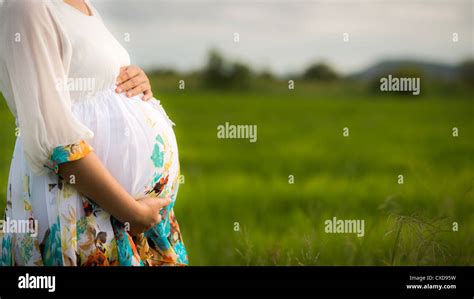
(134, 140)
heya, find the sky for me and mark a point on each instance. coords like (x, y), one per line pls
(286, 36)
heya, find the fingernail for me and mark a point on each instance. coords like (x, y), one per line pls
(119, 90)
(129, 94)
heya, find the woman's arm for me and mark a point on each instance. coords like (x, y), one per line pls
(93, 180)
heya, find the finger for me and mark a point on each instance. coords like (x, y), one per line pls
(127, 73)
(147, 95)
(122, 77)
(131, 84)
(137, 90)
(163, 202)
(123, 68)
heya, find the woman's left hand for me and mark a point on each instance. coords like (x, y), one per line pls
(133, 81)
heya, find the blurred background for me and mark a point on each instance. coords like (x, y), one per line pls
(302, 71)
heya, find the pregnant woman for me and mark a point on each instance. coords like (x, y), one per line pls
(95, 170)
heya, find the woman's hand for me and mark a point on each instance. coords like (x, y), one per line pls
(148, 213)
(133, 81)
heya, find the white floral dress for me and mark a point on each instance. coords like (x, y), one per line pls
(57, 72)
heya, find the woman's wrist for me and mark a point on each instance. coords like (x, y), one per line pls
(137, 212)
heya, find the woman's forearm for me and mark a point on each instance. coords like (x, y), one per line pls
(89, 176)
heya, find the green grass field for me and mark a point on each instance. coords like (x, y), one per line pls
(232, 183)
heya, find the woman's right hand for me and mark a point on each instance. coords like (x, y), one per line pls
(148, 213)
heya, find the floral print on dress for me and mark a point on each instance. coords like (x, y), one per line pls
(6, 258)
(85, 234)
(51, 246)
(164, 239)
(69, 153)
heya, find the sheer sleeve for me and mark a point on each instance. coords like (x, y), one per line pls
(35, 63)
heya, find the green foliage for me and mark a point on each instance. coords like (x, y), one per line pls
(320, 72)
(267, 75)
(466, 73)
(300, 134)
(221, 74)
(419, 241)
(355, 177)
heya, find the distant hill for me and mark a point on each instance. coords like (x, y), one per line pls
(430, 70)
